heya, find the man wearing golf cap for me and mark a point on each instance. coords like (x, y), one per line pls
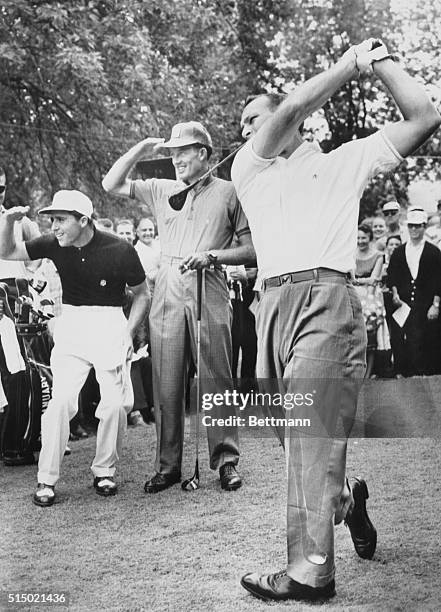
(197, 236)
(303, 206)
(94, 269)
(414, 275)
(391, 211)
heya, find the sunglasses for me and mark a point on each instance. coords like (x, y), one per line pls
(2, 188)
(388, 213)
(415, 225)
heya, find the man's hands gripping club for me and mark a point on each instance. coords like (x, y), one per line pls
(195, 261)
(367, 53)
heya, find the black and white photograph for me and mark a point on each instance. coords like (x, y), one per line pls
(220, 294)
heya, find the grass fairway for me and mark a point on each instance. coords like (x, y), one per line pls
(178, 551)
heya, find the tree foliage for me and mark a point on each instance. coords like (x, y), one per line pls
(83, 80)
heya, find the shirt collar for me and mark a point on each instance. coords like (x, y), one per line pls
(95, 238)
(418, 246)
(200, 186)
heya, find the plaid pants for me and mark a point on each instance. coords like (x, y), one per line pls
(173, 340)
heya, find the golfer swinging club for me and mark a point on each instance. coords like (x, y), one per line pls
(197, 236)
(302, 206)
(94, 269)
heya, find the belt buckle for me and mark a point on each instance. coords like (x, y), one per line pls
(285, 278)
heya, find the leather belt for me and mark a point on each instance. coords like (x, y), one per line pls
(177, 259)
(304, 275)
(171, 258)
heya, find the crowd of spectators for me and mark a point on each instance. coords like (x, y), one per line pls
(398, 279)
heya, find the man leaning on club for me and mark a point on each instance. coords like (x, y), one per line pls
(197, 236)
(303, 206)
(94, 269)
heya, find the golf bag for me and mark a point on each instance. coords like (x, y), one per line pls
(27, 390)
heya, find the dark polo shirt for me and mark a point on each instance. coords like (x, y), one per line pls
(95, 274)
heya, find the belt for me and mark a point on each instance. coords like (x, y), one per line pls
(305, 275)
(177, 259)
(171, 258)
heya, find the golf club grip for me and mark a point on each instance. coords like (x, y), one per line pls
(199, 293)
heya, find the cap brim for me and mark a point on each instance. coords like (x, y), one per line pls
(173, 143)
(50, 211)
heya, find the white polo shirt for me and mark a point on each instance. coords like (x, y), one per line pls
(150, 256)
(413, 256)
(303, 211)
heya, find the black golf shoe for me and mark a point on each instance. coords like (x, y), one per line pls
(229, 478)
(44, 496)
(105, 486)
(279, 587)
(363, 533)
(16, 459)
(160, 482)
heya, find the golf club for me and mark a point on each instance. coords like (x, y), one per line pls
(193, 483)
(177, 200)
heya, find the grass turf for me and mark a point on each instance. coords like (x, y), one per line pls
(186, 551)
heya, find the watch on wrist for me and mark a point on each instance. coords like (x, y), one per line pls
(212, 258)
(394, 58)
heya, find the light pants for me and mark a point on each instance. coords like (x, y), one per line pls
(86, 337)
(311, 339)
(173, 328)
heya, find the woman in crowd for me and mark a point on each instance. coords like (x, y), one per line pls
(392, 243)
(379, 230)
(368, 268)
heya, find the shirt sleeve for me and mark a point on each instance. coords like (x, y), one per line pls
(134, 272)
(365, 158)
(246, 166)
(143, 192)
(238, 218)
(30, 229)
(154, 192)
(41, 247)
(392, 270)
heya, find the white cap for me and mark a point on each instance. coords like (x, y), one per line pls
(416, 216)
(191, 132)
(391, 206)
(71, 201)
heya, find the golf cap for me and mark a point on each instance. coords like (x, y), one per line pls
(391, 206)
(71, 201)
(416, 216)
(189, 133)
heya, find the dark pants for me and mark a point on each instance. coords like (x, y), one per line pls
(416, 347)
(243, 332)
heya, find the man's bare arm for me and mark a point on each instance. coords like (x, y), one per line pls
(29, 232)
(116, 180)
(244, 253)
(277, 133)
(9, 248)
(420, 117)
(139, 307)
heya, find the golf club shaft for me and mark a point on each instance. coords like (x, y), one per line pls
(200, 276)
(216, 166)
(177, 200)
(198, 387)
